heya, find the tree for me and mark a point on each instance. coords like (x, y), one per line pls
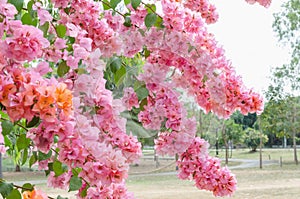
(233, 133)
(71, 69)
(273, 120)
(247, 121)
(286, 77)
(252, 138)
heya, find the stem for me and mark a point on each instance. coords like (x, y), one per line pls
(20, 187)
(20, 125)
(107, 4)
(151, 9)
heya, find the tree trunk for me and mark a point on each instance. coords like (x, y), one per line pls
(231, 142)
(225, 142)
(294, 134)
(226, 153)
(18, 168)
(260, 150)
(295, 148)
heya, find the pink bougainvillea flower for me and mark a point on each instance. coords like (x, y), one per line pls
(44, 16)
(130, 98)
(265, 3)
(25, 44)
(7, 9)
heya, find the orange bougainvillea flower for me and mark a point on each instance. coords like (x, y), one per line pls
(27, 194)
(63, 97)
(46, 98)
(35, 194)
(6, 91)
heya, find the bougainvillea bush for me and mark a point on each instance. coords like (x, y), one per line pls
(71, 69)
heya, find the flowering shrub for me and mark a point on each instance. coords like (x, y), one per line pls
(61, 64)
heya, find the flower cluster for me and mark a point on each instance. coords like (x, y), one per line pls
(26, 94)
(23, 42)
(265, 3)
(55, 74)
(207, 10)
(206, 171)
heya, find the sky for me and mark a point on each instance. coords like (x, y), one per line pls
(245, 32)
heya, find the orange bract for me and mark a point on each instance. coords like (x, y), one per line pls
(35, 194)
(63, 97)
(27, 194)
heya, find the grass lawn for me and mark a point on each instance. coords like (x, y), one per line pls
(287, 155)
(268, 183)
(271, 182)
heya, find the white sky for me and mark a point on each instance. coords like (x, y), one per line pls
(245, 32)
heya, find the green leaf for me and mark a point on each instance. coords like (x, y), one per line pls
(35, 120)
(50, 168)
(32, 159)
(115, 64)
(127, 22)
(126, 2)
(83, 193)
(75, 183)
(114, 3)
(146, 52)
(5, 188)
(23, 142)
(14, 194)
(60, 197)
(143, 103)
(43, 156)
(62, 69)
(24, 156)
(120, 75)
(44, 28)
(151, 8)
(27, 187)
(61, 30)
(28, 20)
(159, 23)
(57, 168)
(7, 127)
(135, 3)
(7, 141)
(17, 3)
(76, 171)
(150, 19)
(137, 129)
(29, 5)
(106, 5)
(33, 13)
(142, 93)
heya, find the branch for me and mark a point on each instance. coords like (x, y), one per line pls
(146, 5)
(20, 125)
(107, 4)
(20, 187)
